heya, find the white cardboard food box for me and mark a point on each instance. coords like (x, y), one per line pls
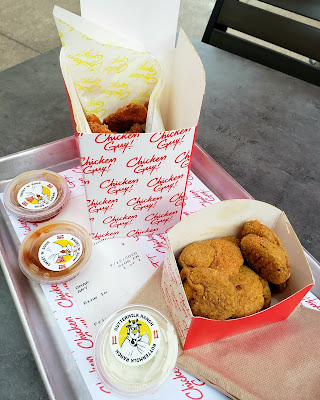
(135, 183)
(226, 218)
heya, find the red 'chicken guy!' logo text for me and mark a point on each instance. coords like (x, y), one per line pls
(63, 298)
(156, 219)
(139, 203)
(104, 236)
(139, 232)
(118, 187)
(158, 242)
(162, 184)
(141, 165)
(166, 140)
(101, 165)
(97, 206)
(117, 142)
(205, 196)
(183, 159)
(191, 388)
(115, 221)
(177, 199)
(82, 338)
(70, 181)
(25, 226)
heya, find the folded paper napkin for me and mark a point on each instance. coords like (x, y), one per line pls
(275, 362)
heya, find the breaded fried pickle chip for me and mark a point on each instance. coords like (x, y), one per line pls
(219, 254)
(228, 258)
(249, 292)
(123, 119)
(269, 260)
(266, 292)
(278, 288)
(255, 227)
(210, 293)
(232, 239)
(197, 255)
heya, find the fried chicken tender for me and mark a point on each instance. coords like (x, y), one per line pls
(219, 254)
(210, 293)
(268, 259)
(93, 118)
(249, 292)
(98, 128)
(122, 120)
(136, 128)
(255, 227)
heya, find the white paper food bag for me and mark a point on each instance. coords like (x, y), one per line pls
(135, 183)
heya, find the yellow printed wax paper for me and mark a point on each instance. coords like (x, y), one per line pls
(106, 75)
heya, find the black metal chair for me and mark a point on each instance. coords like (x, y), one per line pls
(270, 27)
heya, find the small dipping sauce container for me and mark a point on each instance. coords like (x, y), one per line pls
(55, 252)
(135, 350)
(36, 196)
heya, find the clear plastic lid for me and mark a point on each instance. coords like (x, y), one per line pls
(55, 252)
(36, 196)
(135, 350)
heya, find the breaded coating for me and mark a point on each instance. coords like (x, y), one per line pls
(228, 258)
(232, 239)
(197, 255)
(190, 293)
(146, 104)
(266, 292)
(122, 120)
(219, 254)
(136, 128)
(256, 228)
(98, 128)
(93, 118)
(278, 288)
(269, 260)
(249, 292)
(210, 293)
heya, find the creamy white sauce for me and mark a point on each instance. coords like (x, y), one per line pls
(147, 376)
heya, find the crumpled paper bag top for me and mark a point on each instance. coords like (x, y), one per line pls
(111, 74)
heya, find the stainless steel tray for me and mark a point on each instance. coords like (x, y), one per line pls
(57, 367)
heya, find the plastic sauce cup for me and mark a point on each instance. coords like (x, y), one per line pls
(36, 196)
(135, 350)
(55, 252)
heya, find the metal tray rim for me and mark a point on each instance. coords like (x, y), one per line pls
(46, 156)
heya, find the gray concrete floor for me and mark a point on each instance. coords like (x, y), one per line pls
(27, 28)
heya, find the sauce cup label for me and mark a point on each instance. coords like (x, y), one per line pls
(134, 337)
(60, 252)
(37, 195)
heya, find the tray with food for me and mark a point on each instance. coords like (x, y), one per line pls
(66, 368)
(85, 236)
